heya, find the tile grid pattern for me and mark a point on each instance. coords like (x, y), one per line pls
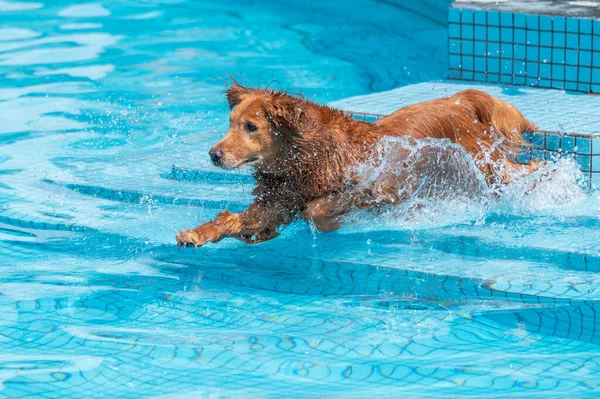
(523, 49)
(552, 111)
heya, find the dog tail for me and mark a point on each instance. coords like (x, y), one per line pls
(503, 119)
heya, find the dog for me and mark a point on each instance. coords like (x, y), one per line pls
(304, 155)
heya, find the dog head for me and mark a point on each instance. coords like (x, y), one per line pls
(263, 123)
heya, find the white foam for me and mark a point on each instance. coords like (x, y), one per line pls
(441, 185)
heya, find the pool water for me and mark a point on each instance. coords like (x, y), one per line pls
(107, 111)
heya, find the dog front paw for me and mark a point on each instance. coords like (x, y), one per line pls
(191, 238)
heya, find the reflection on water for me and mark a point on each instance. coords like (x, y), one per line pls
(107, 110)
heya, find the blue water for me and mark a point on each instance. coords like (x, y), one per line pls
(107, 111)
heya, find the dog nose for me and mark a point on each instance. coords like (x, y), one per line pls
(215, 155)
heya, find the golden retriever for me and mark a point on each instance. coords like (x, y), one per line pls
(304, 154)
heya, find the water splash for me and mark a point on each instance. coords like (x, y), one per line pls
(434, 183)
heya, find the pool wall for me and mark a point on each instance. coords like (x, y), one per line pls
(547, 51)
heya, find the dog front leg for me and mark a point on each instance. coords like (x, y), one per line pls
(256, 224)
(225, 224)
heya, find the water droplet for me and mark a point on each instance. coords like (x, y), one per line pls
(457, 102)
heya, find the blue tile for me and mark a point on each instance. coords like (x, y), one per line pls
(596, 27)
(466, 16)
(583, 145)
(533, 37)
(520, 20)
(572, 57)
(506, 50)
(493, 66)
(507, 67)
(584, 162)
(519, 52)
(480, 48)
(533, 69)
(519, 80)
(537, 140)
(493, 34)
(467, 75)
(467, 47)
(558, 84)
(454, 46)
(572, 41)
(585, 58)
(493, 18)
(519, 68)
(532, 53)
(559, 39)
(506, 19)
(480, 17)
(567, 144)
(572, 74)
(595, 88)
(571, 86)
(506, 79)
(595, 167)
(480, 64)
(584, 87)
(596, 46)
(520, 36)
(480, 77)
(467, 63)
(558, 56)
(585, 26)
(454, 74)
(532, 81)
(493, 49)
(533, 22)
(506, 35)
(493, 77)
(454, 31)
(454, 61)
(558, 72)
(480, 33)
(585, 74)
(559, 24)
(596, 146)
(545, 22)
(467, 32)
(552, 142)
(596, 76)
(585, 42)
(545, 55)
(545, 38)
(573, 25)
(454, 15)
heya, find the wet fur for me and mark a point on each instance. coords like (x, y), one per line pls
(306, 152)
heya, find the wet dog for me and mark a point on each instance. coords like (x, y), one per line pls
(304, 156)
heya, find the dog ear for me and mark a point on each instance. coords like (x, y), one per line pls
(288, 115)
(236, 94)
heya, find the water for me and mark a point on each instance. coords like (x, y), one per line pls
(107, 112)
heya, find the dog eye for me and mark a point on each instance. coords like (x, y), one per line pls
(250, 127)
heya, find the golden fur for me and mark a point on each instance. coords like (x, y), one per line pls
(303, 154)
